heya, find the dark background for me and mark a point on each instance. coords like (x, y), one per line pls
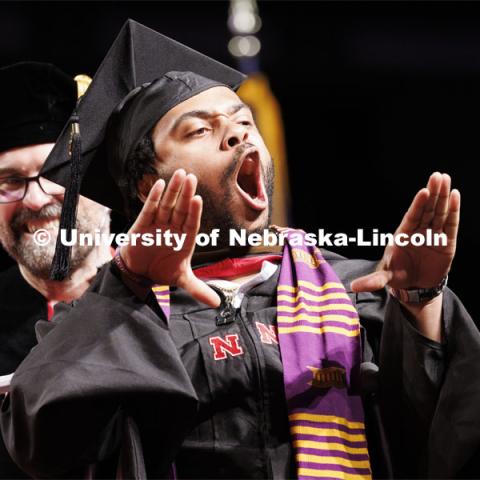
(375, 96)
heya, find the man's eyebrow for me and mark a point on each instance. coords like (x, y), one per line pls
(236, 108)
(205, 114)
(9, 172)
(191, 114)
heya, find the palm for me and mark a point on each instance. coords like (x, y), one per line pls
(168, 265)
(434, 208)
(178, 209)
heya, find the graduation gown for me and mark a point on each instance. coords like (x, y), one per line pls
(21, 307)
(114, 380)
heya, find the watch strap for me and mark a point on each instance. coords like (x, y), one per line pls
(418, 295)
(134, 277)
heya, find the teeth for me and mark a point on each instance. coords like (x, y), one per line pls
(33, 227)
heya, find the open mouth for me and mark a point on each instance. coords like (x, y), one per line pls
(250, 181)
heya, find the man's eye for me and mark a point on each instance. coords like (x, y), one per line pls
(11, 182)
(199, 132)
(247, 123)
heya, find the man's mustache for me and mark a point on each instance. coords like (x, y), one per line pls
(48, 212)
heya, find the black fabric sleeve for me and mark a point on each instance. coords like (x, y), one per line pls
(107, 357)
(411, 374)
(422, 387)
(454, 442)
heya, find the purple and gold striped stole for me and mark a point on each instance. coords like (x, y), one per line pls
(162, 294)
(319, 337)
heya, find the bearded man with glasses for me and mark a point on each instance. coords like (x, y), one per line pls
(36, 100)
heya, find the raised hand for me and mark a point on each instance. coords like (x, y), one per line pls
(435, 208)
(176, 208)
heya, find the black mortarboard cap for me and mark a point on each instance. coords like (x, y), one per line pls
(132, 77)
(36, 100)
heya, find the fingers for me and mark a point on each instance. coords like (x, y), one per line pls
(191, 225)
(148, 213)
(182, 206)
(170, 196)
(414, 214)
(446, 209)
(431, 206)
(170, 204)
(453, 219)
(433, 186)
(441, 208)
(373, 281)
(176, 207)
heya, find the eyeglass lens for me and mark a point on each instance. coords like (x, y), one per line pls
(14, 189)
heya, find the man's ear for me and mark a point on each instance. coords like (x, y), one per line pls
(145, 185)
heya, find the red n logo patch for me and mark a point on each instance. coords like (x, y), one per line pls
(267, 333)
(222, 347)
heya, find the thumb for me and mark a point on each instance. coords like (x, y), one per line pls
(199, 290)
(371, 282)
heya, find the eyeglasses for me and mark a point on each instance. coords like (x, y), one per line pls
(14, 189)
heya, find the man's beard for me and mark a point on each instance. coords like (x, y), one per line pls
(218, 213)
(38, 258)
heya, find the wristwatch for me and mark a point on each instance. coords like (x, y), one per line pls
(418, 295)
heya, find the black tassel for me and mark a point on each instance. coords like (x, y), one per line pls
(61, 260)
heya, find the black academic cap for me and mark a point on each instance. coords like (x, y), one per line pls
(135, 66)
(138, 56)
(36, 100)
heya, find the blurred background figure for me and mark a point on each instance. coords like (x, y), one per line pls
(36, 100)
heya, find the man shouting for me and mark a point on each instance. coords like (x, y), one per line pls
(228, 363)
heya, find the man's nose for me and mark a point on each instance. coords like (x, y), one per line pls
(235, 135)
(35, 198)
